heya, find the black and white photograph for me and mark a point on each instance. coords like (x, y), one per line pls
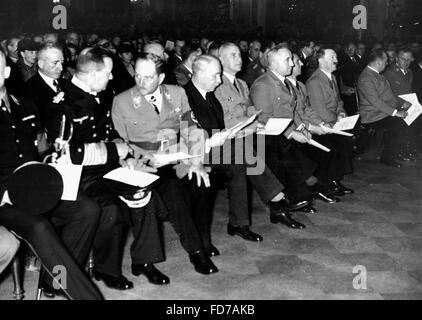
(213, 157)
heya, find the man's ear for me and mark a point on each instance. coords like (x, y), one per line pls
(161, 78)
(7, 71)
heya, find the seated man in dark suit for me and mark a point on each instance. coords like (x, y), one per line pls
(208, 113)
(183, 72)
(380, 108)
(349, 72)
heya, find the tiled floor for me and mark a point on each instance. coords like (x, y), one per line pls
(379, 228)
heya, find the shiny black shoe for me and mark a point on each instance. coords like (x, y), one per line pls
(244, 232)
(326, 198)
(154, 275)
(211, 251)
(307, 209)
(285, 218)
(202, 263)
(118, 283)
(286, 204)
(343, 188)
(391, 163)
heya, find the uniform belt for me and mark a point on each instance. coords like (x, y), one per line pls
(146, 145)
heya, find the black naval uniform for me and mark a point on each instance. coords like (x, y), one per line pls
(77, 220)
(91, 119)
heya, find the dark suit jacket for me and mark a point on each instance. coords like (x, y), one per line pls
(122, 79)
(400, 83)
(376, 99)
(40, 93)
(349, 71)
(417, 81)
(182, 75)
(324, 98)
(209, 114)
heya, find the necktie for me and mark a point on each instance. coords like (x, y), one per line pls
(292, 91)
(56, 85)
(153, 102)
(235, 85)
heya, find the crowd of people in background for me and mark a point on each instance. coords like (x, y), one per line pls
(124, 94)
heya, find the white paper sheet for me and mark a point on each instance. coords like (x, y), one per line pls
(318, 145)
(341, 133)
(132, 177)
(347, 123)
(241, 125)
(415, 110)
(71, 175)
(173, 157)
(275, 126)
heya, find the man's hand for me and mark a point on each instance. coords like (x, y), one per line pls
(406, 105)
(299, 137)
(139, 165)
(340, 116)
(217, 139)
(401, 114)
(123, 149)
(318, 130)
(201, 175)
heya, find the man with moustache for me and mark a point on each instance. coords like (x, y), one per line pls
(333, 165)
(272, 93)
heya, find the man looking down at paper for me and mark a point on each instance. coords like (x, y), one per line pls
(273, 94)
(235, 160)
(148, 116)
(77, 220)
(96, 145)
(333, 165)
(380, 108)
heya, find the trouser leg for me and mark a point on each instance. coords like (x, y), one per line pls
(9, 245)
(54, 255)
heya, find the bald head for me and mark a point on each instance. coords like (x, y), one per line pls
(206, 72)
(280, 60)
(230, 58)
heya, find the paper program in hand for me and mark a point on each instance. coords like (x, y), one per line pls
(132, 177)
(275, 126)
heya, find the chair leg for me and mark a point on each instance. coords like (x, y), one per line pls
(90, 264)
(40, 283)
(18, 293)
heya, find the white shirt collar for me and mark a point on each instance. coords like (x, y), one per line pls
(158, 98)
(230, 77)
(201, 91)
(48, 80)
(294, 81)
(420, 65)
(278, 76)
(369, 67)
(82, 85)
(329, 75)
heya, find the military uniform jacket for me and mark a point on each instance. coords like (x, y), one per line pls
(235, 103)
(253, 71)
(303, 112)
(270, 94)
(18, 137)
(399, 82)
(376, 99)
(93, 132)
(324, 97)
